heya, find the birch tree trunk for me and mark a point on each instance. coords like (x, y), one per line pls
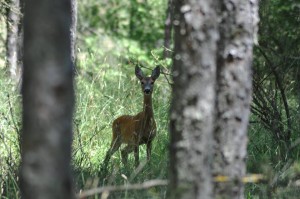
(168, 29)
(192, 108)
(13, 16)
(48, 100)
(237, 29)
(73, 34)
(211, 96)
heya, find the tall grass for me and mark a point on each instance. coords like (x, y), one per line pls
(107, 88)
(9, 137)
(281, 176)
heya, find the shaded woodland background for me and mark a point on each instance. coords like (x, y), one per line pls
(111, 35)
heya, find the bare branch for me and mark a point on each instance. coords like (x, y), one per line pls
(282, 92)
(144, 185)
(162, 71)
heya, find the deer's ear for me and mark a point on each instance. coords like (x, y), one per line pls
(155, 73)
(139, 73)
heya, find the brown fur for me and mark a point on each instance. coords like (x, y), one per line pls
(135, 130)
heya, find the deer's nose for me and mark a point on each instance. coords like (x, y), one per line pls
(147, 90)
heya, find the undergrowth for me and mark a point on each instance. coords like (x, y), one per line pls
(105, 87)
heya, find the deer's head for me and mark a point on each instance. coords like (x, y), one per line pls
(147, 82)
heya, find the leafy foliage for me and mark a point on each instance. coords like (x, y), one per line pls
(137, 20)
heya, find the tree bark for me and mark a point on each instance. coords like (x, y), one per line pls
(168, 29)
(238, 28)
(73, 32)
(192, 107)
(48, 100)
(211, 96)
(13, 16)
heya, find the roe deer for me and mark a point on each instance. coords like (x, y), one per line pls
(138, 129)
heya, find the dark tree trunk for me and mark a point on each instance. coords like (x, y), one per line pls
(132, 18)
(48, 100)
(297, 75)
(238, 28)
(192, 108)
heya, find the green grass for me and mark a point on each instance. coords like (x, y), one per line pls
(9, 145)
(264, 157)
(106, 87)
(103, 94)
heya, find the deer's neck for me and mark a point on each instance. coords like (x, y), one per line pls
(147, 109)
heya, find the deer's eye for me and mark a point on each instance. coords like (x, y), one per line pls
(152, 83)
(142, 83)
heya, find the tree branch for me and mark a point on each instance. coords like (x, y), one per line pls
(282, 92)
(144, 185)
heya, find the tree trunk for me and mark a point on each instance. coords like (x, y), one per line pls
(297, 75)
(211, 97)
(238, 28)
(48, 100)
(168, 29)
(192, 108)
(132, 17)
(13, 16)
(20, 50)
(73, 32)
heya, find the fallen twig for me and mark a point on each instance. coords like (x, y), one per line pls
(144, 185)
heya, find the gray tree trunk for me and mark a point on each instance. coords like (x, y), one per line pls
(238, 29)
(48, 100)
(73, 31)
(168, 29)
(13, 16)
(211, 96)
(192, 108)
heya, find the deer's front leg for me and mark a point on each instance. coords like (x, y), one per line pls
(136, 155)
(124, 153)
(149, 148)
(115, 145)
